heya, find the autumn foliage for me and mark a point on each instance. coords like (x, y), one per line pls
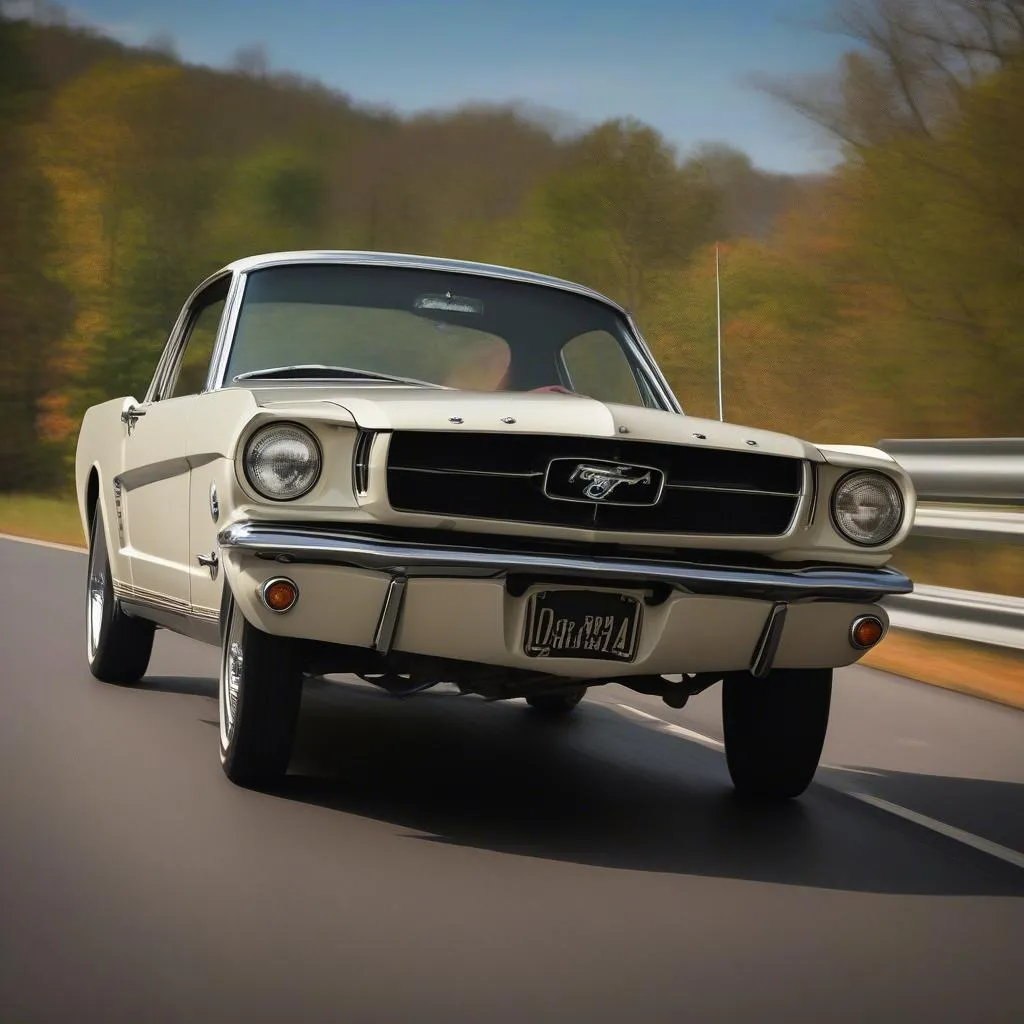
(886, 298)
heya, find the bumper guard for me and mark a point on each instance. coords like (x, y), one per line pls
(330, 546)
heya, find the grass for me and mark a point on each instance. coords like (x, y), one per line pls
(991, 672)
(56, 519)
(994, 673)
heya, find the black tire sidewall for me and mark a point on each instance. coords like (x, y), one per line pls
(124, 644)
(269, 695)
(775, 730)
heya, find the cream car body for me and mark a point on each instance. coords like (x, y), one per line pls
(397, 577)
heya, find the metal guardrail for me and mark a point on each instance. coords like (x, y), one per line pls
(981, 471)
(951, 476)
(964, 614)
(969, 523)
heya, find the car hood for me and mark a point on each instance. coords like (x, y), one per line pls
(403, 408)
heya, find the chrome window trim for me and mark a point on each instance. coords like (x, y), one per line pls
(166, 355)
(643, 358)
(386, 259)
(226, 337)
(170, 360)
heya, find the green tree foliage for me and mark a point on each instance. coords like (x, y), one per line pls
(620, 214)
(886, 297)
(32, 307)
(925, 213)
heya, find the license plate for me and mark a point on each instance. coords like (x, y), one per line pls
(582, 624)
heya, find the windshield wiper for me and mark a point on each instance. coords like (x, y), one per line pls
(318, 371)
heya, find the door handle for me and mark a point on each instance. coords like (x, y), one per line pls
(211, 562)
(130, 415)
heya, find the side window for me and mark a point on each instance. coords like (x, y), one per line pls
(202, 333)
(598, 367)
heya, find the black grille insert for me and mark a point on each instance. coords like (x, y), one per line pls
(502, 476)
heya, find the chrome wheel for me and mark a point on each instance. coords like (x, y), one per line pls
(95, 602)
(117, 646)
(260, 692)
(232, 659)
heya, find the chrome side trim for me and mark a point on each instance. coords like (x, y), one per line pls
(152, 602)
(129, 592)
(206, 630)
(384, 635)
(768, 644)
(336, 547)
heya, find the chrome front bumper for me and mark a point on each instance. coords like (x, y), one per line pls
(330, 546)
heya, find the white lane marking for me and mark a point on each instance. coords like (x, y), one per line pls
(1002, 853)
(677, 730)
(42, 543)
(642, 714)
(689, 734)
(949, 831)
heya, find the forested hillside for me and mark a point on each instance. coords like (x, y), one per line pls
(886, 298)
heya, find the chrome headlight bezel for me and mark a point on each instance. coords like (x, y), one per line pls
(295, 430)
(887, 483)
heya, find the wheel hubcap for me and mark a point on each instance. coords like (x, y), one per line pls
(94, 607)
(232, 664)
(234, 681)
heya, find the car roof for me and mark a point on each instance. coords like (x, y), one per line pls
(393, 259)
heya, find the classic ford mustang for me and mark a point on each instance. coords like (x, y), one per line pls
(424, 471)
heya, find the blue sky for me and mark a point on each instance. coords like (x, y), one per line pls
(679, 65)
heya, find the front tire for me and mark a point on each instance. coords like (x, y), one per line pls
(557, 702)
(775, 730)
(259, 697)
(117, 647)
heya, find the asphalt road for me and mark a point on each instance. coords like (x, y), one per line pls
(442, 859)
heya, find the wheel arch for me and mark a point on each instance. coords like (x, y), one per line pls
(95, 501)
(92, 495)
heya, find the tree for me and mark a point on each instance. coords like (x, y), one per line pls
(620, 215)
(33, 308)
(930, 198)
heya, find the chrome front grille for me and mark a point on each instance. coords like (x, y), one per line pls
(502, 477)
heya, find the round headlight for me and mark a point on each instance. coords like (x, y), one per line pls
(282, 461)
(867, 508)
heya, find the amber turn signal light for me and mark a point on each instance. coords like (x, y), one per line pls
(866, 632)
(279, 594)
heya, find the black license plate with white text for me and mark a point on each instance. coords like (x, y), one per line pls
(582, 624)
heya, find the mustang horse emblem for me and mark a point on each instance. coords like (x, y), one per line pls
(601, 481)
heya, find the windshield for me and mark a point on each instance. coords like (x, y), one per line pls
(448, 329)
